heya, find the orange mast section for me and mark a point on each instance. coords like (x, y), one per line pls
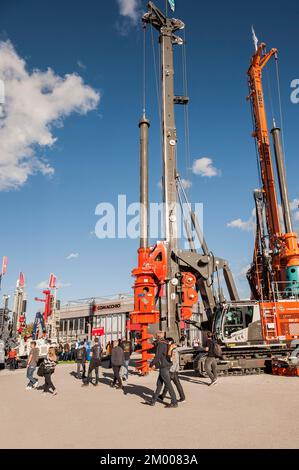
(261, 133)
(284, 248)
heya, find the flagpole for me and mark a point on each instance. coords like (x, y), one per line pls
(166, 8)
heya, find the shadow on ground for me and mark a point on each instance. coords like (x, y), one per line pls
(189, 376)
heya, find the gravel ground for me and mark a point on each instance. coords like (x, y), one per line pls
(239, 412)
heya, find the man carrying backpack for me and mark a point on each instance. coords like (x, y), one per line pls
(214, 352)
(81, 358)
(95, 360)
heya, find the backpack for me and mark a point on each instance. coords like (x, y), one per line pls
(217, 349)
(80, 354)
(96, 352)
(170, 349)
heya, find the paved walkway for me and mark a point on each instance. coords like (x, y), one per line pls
(240, 412)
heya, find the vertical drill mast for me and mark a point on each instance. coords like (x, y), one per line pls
(144, 125)
(275, 268)
(261, 133)
(167, 27)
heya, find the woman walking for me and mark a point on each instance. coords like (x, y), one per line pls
(49, 369)
(174, 356)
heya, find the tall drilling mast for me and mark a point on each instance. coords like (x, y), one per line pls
(19, 308)
(183, 273)
(275, 267)
(167, 27)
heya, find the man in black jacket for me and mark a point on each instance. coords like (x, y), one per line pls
(81, 358)
(162, 362)
(117, 360)
(94, 363)
(211, 360)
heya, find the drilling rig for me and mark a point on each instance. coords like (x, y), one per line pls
(46, 324)
(274, 272)
(251, 332)
(167, 275)
(265, 329)
(19, 310)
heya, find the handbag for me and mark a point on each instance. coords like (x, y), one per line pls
(122, 371)
(41, 370)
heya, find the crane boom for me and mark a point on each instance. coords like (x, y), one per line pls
(275, 268)
(261, 134)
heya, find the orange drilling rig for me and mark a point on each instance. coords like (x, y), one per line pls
(274, 272)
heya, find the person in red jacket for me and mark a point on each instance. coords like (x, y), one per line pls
(12, 358)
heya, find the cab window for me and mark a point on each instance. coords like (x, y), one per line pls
(237, 318)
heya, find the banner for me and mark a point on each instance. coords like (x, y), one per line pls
(21, 280)
(52, 281)
(4, 265)
(97, 332)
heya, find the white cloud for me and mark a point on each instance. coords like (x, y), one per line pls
(245, 225)
(130, 9)
(72, 256)
(204, 167)
(294, 205)
(35, 102)
(243, 271)
(45, 285)
(61, 285)
(81, 65)
(42, 285)
(186, 184)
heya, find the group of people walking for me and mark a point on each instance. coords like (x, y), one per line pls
(166, 360)
(119, 352)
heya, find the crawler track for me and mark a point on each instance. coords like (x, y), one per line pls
(239, 362)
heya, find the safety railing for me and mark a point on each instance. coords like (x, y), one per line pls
(288, 290)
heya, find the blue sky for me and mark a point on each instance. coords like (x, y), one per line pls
(92, 152)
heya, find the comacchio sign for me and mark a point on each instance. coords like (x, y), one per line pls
(98, 308)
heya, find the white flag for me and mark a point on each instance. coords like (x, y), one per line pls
(255, 39)
(172, 4)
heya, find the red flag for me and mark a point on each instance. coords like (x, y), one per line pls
(21, 280)
(52, 281)
(4, 265)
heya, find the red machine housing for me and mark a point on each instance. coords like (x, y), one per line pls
(189, 295)
(150, 277)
